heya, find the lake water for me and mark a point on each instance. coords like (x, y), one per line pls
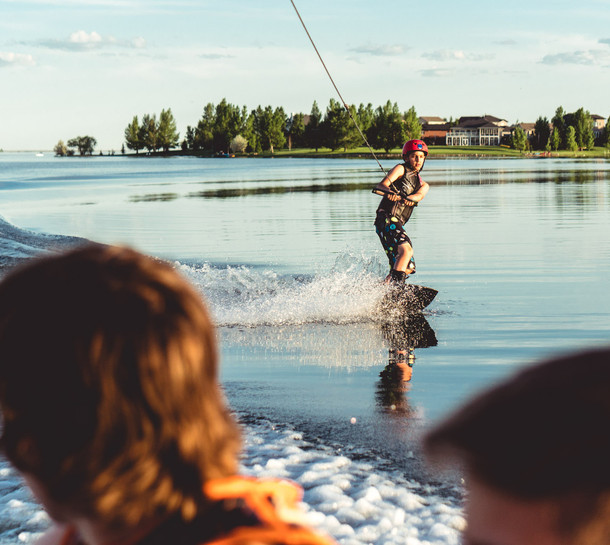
(286, 256)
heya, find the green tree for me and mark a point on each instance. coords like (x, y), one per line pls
(365, 117)
(229, 121)
(519, 139)
(313, 131)
(559, 123)
(412, 124)
(388, 130)
(605, 140)
(189, 139)
(60, 149)
(168, 136)
(571, 143)
(555, 139)
(84, 144)
(338, 128)
(583, 125)
(204, 132)
(132, 135)
(277, 139)
(295, 130)
(269, 127)
(542, 132)
(149, 133)
(249, 134)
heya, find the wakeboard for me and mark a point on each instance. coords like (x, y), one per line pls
(406, 298)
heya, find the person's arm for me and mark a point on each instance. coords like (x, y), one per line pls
(420, 193)
(384, 187)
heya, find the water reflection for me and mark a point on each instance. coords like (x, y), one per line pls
(223, 193)
(154, 197)
(493, 176)
(403, 336)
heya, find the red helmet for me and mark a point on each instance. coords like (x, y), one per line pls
(415, 145)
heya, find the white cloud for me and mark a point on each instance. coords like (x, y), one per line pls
(90, 41)
(216, 56)
(444, 55)
(82, 38)
(585, 57)
(381, 50)
(436, 73)
(16, 59)
(138, 43)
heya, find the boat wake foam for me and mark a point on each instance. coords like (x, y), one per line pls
(251, 297)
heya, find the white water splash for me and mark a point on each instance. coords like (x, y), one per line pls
(254, 297)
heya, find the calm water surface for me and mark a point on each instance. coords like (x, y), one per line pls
(285, 254)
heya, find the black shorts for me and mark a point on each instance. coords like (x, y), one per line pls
(391, 234)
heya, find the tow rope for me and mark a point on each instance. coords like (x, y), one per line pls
(336, 89)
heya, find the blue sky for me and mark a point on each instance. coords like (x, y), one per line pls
(76, 67)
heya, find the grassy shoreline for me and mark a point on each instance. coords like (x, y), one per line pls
(440, 152)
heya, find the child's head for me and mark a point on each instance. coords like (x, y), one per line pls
(108, 386)
(414, 153)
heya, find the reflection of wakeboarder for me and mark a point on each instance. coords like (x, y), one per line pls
(403, 336)
(394, 383)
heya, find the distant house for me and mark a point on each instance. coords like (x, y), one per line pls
(434, 129)
(599, 123)
(432, 120)
(484, 130)
(528, 128)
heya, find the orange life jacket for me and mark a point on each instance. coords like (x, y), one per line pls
(273, 502)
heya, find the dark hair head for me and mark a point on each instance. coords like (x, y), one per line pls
(540, 433)
(108, 385)
(543, 434)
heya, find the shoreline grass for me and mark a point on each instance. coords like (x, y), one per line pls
(442, 152)
(439, 152)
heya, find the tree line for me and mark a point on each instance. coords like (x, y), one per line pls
(566, 131)
(226, 127)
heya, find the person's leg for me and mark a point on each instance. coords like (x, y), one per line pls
(403, 265)
(404, 259)
(397, 246)
(387, 237)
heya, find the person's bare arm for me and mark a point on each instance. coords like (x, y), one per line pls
(420, 193)
(384, 187)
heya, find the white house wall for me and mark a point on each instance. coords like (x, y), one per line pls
(473, 137)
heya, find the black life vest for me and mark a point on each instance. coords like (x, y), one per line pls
(405, 185)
